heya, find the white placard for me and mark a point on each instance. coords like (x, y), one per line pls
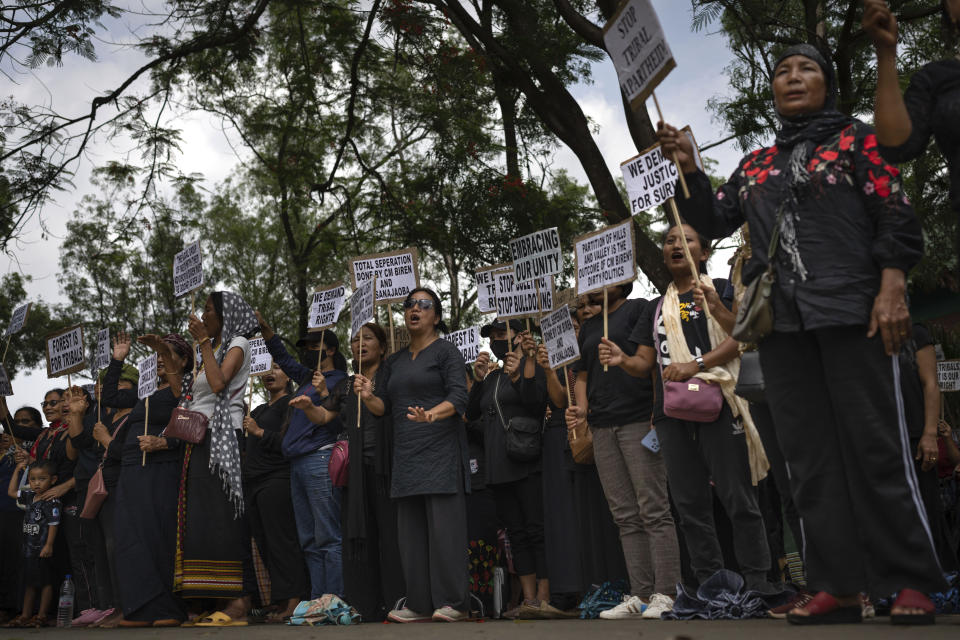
(487, 289)
(65, 352)
(397, 273)
(325, 307)
(17, 319)
(536, 255)
(635, 41)
(560, 338)
(519, 299)
(187, 270)
(467, 341)
(147, 384)
(101, 357)
(650, 178)
(948, 375)
(260, 359)
(605, 258)
(6, 388)
(361, 307)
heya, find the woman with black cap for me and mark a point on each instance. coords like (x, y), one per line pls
(146, 492)
(426, 396)
(308, 446)
(847, 237)
(518, 390)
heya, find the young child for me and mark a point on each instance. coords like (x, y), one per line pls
(40, 523)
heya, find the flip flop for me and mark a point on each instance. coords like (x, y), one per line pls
(220, 619)
(824, 609)
(168, 622)
(193, 623)
(913, 599)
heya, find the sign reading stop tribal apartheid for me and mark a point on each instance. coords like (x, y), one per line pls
(650, 178)
(17, 319)
(101, 357)
(260, 359)
(635, 41)
(187, 270)
(536, 255)
(6, 388)
(397, 273)
(560, 338)
(605, 258)
(147, 382)
(65, 352)
(467, 341)
(361, 307)
(519, 299)
(326, 306)
(948, 375)
(487, 288)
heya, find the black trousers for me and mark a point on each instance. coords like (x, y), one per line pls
(372, 575)
(696, 454)
(432, 531)
(560, 540)
(94, 558)
(836, 402)
(270, 516)
(81, 560)
(107, 520)
(520, 511)
(11, 559)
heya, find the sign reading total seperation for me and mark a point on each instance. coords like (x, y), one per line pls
(560, 338)
(6, 388)
(260, 359)
(397, 273)
(651, 178)
(605, 258)
(635, 41)
(467, 341)
(17, 319)
(536, 255)
(948, 375)
(65, 352)
(187, 270)
(361, 307)
(487, 288)
(101, 357)
(147, 383)
(326, 306)
(519, 299)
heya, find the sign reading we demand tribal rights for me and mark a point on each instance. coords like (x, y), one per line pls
(487, 288)
(326, 306)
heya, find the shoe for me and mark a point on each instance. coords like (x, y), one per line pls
(542, 610)
(449, 614)
(659, 604)
(824, 609)
(866, 607)
(407, 615)
(632, 607)
(800, 600)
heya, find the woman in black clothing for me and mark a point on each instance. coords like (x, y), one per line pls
(519, 389)
(372, 576)
(847, 238)
(266, 491)
(146, 513)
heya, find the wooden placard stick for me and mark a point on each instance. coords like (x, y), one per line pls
(605, 321)
(566, 384)
(250, 398)
(5, 349)
(390, 324)
(683, 181)
(146, 421)
(193, 312)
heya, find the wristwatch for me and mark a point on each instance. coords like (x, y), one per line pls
(699, 361)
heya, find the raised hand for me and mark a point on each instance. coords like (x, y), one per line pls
(121, 346)
(881, 25)
(481, 367)
(672, 140)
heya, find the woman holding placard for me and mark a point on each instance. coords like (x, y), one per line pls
(145, 526)
(214, 549)
(426, 397)
(834, 235)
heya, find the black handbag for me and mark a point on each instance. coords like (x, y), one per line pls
(523, 434)
(750, 385)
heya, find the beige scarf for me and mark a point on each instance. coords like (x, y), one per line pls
(725, 376)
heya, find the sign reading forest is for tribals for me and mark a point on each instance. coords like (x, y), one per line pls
(65, 352)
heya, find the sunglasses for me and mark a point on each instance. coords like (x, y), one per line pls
(423, 303)
(49, 403)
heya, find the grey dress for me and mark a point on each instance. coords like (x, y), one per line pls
(428, 458)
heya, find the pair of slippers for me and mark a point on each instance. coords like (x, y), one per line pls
(23, 622)
(824, 609)
(215, 619)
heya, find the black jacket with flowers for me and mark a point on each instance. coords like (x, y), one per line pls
(854, 221)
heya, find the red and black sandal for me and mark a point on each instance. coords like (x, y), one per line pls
(824, 609)
(912, 599)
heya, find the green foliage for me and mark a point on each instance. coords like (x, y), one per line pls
(26, 349)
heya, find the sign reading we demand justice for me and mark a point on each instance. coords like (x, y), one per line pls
(326, 306)
(605, 258)
(397, 273)
(187, 270)
(650, 178)
(639, 50)
(65, 352)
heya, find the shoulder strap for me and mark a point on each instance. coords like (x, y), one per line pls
(496, 402)
(103, 458)
(656, 333)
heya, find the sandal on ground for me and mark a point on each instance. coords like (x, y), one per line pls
(192, 622)
(133, 624)
(19, 622)
(37, 622)
(166, 622)
(220, 619)
(912, 599)
(824, 609)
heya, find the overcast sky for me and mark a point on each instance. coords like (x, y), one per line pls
(700, 58)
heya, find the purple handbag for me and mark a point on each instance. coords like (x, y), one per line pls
(339, 465)
(692, 400)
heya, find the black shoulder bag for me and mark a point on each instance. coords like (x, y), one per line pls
(523, 433)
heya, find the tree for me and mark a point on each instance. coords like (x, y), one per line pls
(26, 349)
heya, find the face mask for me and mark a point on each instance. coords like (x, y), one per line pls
(311, 359)
(499, 348)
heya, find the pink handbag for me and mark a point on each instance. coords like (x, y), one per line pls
(692, 400)
(339, 465)
(97, 488)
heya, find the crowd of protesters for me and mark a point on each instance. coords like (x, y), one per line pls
(421, 488)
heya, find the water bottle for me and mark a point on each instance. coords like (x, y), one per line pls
(65, 608)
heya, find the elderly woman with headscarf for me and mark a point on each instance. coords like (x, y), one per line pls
(213, 544)
(845, 237)
(145, 529)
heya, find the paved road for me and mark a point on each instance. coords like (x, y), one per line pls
(877, 629)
